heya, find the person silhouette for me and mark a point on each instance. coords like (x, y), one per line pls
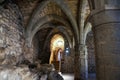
(59, 57)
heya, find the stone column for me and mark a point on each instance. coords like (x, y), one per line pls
(77, 63)
(106, 29)
(81, 67)
(84, 62)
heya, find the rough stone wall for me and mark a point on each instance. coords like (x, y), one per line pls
(44, 54)
(36, 52)
(16, 73)
(41, 72)
(68, 63)
(36, 47)
(27, 7)
(29, 53)
(11, 18)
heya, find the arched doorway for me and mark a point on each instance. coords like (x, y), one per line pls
(57, 48)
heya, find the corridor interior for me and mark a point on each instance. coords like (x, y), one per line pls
(59, 39)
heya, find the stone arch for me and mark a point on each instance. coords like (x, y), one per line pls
(64, 33)
(87, 29)
(83, 14)
(48, 39)
(65, 9)
(41, 22)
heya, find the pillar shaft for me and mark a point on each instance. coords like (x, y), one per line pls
(77, 63)
(84, 62)
(81, 65)
(106, 29)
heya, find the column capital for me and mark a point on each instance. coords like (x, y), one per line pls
(83, 49)
(106, 15)
(80, 47)
(105, 8)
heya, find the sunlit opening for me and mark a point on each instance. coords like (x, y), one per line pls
(57, 42)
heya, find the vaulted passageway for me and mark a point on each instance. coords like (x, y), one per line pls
(28, 28)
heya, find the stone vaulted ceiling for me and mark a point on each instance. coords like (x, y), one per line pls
(51, 17)
(28, 8)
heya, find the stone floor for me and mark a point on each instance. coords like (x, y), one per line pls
(92, 76)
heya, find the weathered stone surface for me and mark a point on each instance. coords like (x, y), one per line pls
(14, 38)
(16, 73)
(23, 72)
(16, 51)
(107, 44)
(68, 64)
